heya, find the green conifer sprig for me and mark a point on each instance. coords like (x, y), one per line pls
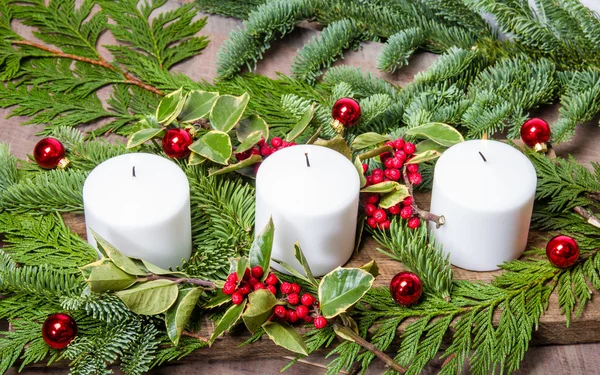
(398, 48)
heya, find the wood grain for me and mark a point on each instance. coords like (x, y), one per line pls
(265, 358)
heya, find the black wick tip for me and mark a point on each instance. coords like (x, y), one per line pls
(483, 157)
(307, 160)
(133, 171)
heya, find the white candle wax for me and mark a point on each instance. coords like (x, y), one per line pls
(487, 203)
(144, 213)
(314, 205)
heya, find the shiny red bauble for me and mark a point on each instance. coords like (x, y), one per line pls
(535, 133)
(49, 153)
(562, 251)
(406, 288)
(346, 111)
(175, 143)
(59, 330)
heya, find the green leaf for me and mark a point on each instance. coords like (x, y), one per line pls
(260, 308)
(228, 320)
(214, 145)
(375, 152)
(367, 140)
(234, 167)
(424, 156)
(218, 300)
(170, 106)
(197, 105)
(395, 197)
(142, 136)
(161, 271)
(120, 260)
(260, 251)
(304, 263)
(150, 298)
(427, 144)
(342, 288)
(250, 125)
(302, 124)
(360, 228)
(438, 132)
(288, 267)
(371, 268)
(359, 169)
(382, 187)
(196, 159)
(104, 276)
(285, 336)
(338, 144)
(178, 315)
(315, 137)
(227, 111)
(239, 265)
(252, 139)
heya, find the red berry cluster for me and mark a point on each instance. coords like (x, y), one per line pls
(393, 162)
(263, 149)
(250, 282)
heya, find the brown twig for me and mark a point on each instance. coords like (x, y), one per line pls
(588, 216)
(370, 347)
(425, 215)
(181, 280)
(594, 196)
(196, 336)
(100, 62)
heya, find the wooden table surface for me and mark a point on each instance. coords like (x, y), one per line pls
(263, 358)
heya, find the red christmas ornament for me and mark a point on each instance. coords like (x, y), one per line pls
(406, 288)
(346, 113)
(535, 133)
(175, 143)
(562, 251)
(49, 153)
(59, 330)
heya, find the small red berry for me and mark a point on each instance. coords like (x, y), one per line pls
(261, 142)
(257, 272)
(365, 168)
(228, 288)
(409, 148)
(385, 225)
(307, 299)
(308, 319)
(255, 151)
(255, 167)
(398, 163)
(393, 174)
(237, 298)
(242, 155)
(276, 142)
(292, 316)
(244, 289)
(292, 144)
(295, 288)
(401, 155)
(395, 209)
(259, 285)
(280, 312)
(369, 180)
(389, 163)
(320, 322)
(253, 281)
(406, 212)
(271, 289)
(233, 278)
(293, 299)
(372, 198)
(399, 144)
(379, 215)
(266, 150)
(302, 311)
(271, 279)
(412, 168)
(370, 209)
(415, 178)
(389, 143)
(246, 274)
(285, 287)
(414, 222)
(372, 223)
(377, 179)
(377, 172)
(407, 201)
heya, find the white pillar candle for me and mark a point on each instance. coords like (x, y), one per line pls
(140, 203)
(487, 203)
(314, 205)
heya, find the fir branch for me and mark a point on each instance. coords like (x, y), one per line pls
(398, 48)
(229, 8)
(363, 83)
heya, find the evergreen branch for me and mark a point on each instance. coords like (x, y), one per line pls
(363, 84)
(229, 8)
(398, 48)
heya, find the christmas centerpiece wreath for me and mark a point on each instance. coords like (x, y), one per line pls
(63, 303)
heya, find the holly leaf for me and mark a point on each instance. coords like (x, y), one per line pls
(142, 136)
(250, 125)
(302, 124)
(237, 166)
(371, 268)
(195, 159)
(228, 320)
(382, 187)
(426, 145)
(338, 144)
(395, 197)
(375, 152)
(304, 263)
(342, 288)
(170, 106)
(120, 260)
(150, 298)
(285, 336)
(227, 111)
(214, 145)
(315, 137)
(151, 268)
(367, 140)
(103, 276)
(359, 169)
(360, 228)
(288, 267)
(438, 132)
(252, 139)
(218, 300)
(260, 251)
(260, 308)
(197, 105)
(238, 265)
(178, 315)
(424, 156)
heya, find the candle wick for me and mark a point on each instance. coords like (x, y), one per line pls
(133, 171)
(307, 160)
(483, 157)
